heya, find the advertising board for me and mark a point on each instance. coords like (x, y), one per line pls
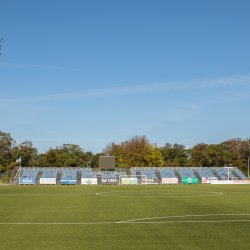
(89, 181)
(149, 181)
(68, 181)
(27, 181)
(51, 181)
(129, 181)
(189, 180)
(241, 182)
(169, 180)
(109, 181)
(206, 181)
(230, 182)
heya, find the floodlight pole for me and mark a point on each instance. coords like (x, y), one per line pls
(228, 170)
(20, 170)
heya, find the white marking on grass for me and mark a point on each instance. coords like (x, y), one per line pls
(237, 192)
(52, 194)
(182, 216)
(150, 222)
(163, 194)
(136, 221)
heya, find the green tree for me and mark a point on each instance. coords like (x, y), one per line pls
(72, 162)
(95, 160)
(6, 146)
(51, 159)
(67, 155)
(28, 153)
(204, 155)
(238, 150)
(40, 160)
(176, 153)
(1, 169)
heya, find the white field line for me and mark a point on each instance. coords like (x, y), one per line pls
(182, 216)
(150, 222)
(163, 194)
(158, 196)
(236, 192)
(140, 222)
(172, 191)
(51, 194)
(135, 221)
(161, 191)
(55, 223)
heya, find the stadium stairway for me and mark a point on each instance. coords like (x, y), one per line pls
(99, 179)
(216, 174)
(158, 176)
(177, 174)
(58, 177)
(237, 176)
(118, 177)
(138, 175)
(39, 175)
(78, 176)
(198, 176)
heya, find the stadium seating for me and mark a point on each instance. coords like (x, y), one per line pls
(238, 172)
(29, 173)
(151, 173)
(206, 173)
(186, 173)
(167, 173)
(69, 173)
(133, 171)
(49, 173)
(86, 173)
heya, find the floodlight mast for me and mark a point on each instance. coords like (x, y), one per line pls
(228, 169)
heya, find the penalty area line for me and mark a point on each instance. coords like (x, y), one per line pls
(136, 220)
(123, 222)
(158, 222)
(183, 216)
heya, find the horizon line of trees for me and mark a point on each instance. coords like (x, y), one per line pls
(135, 152)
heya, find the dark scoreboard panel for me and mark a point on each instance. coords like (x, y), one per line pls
(107, 162)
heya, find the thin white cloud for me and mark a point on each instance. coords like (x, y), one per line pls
(172, 86)
(33, 65)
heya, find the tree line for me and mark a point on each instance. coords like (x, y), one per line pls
(135, 152)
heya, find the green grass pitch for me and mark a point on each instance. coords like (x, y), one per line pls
(125, 217)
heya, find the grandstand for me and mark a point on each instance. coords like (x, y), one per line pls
(86, 173)
(206, 173)
(144, 175)
(186, 173)
(167, 173)
(239, 173)
(27, 173)
(48, 173)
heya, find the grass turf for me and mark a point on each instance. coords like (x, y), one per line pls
(112, 212)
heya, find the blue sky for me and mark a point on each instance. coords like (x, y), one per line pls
(93, 72)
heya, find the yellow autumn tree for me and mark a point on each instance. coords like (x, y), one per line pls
(135, 152)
